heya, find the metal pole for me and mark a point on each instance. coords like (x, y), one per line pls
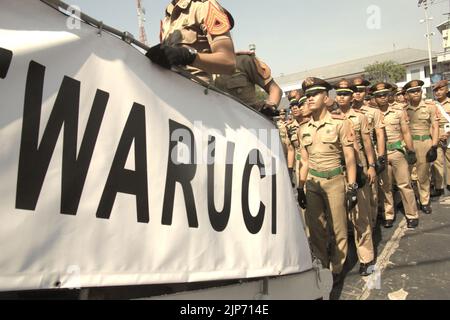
(428, 38)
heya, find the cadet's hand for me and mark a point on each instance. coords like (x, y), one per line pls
(411, 157)
(351, 198)
(301, 197)
(432, 154)
(269, 110)
(381, 164)
(167, 56)
(291, 175)
(156, 55)
(372, 175)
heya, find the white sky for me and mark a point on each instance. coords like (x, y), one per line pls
(296, 35)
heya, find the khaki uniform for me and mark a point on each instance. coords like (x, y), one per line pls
(292, 129)
(196, 24)
(376, 121)
(283, 136)
(399, 106)
(397, 168)
(360, 216)
(326, 187)
(443, 153)
(250, 71)
(421, 120)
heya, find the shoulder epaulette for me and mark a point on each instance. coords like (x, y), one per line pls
(338, 116)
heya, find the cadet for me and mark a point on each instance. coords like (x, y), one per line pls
(251, 71)
(400, 99)
(296, 100)
(196, 33)
(325, 140)
(423, 120)
(376, 126)
(281, 125)
(360, 216)
(398, 135)
(440, 90)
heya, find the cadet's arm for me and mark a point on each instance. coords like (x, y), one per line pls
(381, 141)
(368, 148)
(407, 134)
(350, 163)
(222, 60)
(275, 93)
(304, 168)
(381, 134)
(291, 155)
(435, 130)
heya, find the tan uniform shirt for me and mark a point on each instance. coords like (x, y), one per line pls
(250, 71)
(374, 117)
(422, 117)
(292, 133)
(324, 141)
(442, 120)
(360, 126)
(196, 24)
(397, 105)
(393, 120)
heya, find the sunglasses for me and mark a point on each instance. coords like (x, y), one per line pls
(415, 91)
(381, 95)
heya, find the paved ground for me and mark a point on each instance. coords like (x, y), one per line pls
(411, 264)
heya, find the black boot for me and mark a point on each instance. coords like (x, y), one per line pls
(366, 269)
(435, 193)
(427, 209)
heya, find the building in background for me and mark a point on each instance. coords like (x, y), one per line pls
(415, 61)
(443, 58)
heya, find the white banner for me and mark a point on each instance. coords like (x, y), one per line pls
(116, 172)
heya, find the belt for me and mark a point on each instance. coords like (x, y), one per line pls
(395, 146)
(422, 138)
(326, 174)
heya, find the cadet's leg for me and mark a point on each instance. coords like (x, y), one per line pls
(401, 173)
(335, 195)
(438, 170)
(447, 163)
(373, 203)
(385, 194)
(316, 222)
(423, 171)
(362, 226)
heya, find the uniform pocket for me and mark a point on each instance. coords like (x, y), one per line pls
(306, 140)
(329, 138)
(237, 81)
(424, 116)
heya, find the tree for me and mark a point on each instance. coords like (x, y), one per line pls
(388, 71)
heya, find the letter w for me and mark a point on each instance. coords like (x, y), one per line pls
(35, 158)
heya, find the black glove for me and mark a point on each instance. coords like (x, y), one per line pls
(380, 165)
(167, 56)
(269, 110)
(361, 177)
(432, 154)
(351, 198)
(291, 174)
(301, 197)
(411, 157)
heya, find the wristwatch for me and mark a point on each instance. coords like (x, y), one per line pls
(353, 186)
(372, 165)
(193, 52)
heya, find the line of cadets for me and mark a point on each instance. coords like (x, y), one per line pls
(347, 155)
